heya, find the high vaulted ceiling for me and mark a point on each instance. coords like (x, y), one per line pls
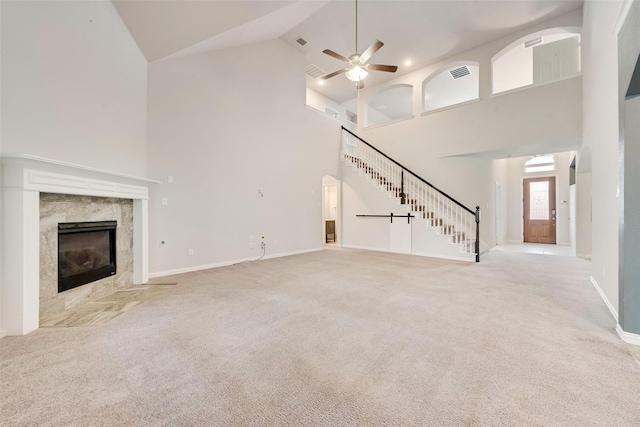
(423, 31)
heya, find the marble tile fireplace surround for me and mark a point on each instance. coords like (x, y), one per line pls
(38, 194)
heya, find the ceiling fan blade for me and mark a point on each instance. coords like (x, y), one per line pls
(335, 73)
(360, 84)
(375, 46)
(335, 55)
(379, 67)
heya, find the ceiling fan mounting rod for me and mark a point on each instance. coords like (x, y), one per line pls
(356, 26)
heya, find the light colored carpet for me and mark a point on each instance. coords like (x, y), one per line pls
(339, 337)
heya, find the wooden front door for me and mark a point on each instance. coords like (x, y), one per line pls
(540, 210)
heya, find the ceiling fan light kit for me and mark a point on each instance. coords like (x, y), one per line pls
(356, 73)
(357, 68)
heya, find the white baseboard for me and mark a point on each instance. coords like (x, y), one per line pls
(627, 337)
(303, 251)
(585, 256)
(449, 257)
(513, 241)
(470, 258)
(368, 248)
(225, 263)
(613, 311)
(3, 333)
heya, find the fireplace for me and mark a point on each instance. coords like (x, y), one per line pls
(38, 195)
(86, 252)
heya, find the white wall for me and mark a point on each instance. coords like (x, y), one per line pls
(225, 131)
(389, 104)
(2, 323)
(442, 90)
(74, 85)
(583, 215)
(600, 134)
(500, 172)
(320, 102)
(547, 117)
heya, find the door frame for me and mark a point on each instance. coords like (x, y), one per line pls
(338, 230)
(534, 175)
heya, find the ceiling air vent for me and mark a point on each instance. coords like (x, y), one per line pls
(301, 41)
(456, 73)
(314, 71)
(533, 42)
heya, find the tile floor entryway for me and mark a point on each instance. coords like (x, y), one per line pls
(101, 311)
(537, 248)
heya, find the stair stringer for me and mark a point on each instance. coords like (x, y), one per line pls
(364, 195)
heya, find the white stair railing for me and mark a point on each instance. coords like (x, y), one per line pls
(426, 202)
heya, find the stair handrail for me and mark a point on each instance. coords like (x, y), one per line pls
(475, 213)
(412, 173)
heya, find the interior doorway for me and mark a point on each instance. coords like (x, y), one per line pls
(539, 210)
(330, 197)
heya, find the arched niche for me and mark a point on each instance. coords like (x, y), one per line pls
(452, 84)
(390, 104)
(537, 58)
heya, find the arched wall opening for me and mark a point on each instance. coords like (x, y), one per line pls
(390, 104)
(537, 58)
(453, 84)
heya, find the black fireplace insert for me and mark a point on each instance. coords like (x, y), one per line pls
(86, 252)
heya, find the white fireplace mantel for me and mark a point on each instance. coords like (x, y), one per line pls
(24, 178)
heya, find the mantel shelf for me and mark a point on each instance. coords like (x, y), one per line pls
(44, 160)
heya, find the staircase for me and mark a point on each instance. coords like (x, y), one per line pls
(455, 222)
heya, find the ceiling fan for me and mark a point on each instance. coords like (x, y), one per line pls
(357, 67)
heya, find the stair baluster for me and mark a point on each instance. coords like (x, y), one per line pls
(451, 218)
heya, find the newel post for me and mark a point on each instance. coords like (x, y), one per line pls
(477, 233)
(402, 198)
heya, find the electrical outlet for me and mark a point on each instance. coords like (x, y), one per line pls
(170, 179)
(190, 252)
(165, 201)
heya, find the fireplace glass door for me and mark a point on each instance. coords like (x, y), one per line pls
(86, 252)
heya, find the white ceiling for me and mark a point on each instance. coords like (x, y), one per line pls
(423, 31)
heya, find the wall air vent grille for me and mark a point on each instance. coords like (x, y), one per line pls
(314, 71)
(533, 42)
(301, 41)
(456, 73)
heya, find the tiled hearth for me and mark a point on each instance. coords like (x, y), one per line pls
(95, 195)
(96, 313)
(57, 208)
